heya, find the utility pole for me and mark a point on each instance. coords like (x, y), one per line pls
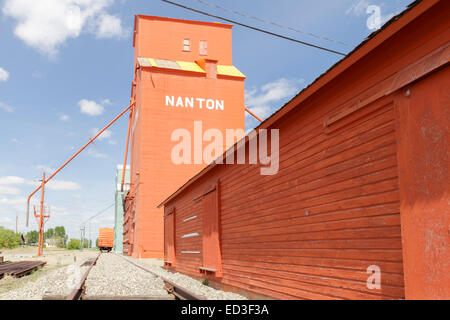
(17, 221)
(82, 231)
(89, 234)
(42, 218)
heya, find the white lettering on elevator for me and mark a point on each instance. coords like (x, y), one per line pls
(191, 102)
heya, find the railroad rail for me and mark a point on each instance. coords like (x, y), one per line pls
(175, 291)
(77, 293)
(178, 291)
(20, 268)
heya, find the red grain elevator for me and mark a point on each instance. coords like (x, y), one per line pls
(184, 82)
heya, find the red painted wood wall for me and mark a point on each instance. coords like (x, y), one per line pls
(363, 181)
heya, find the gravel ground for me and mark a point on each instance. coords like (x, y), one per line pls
(59, 282)
(113, 276)
(187, 282)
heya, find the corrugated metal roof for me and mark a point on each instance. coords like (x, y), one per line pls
(190, 66)
(222, 70)
(167, 64)
(230, 71)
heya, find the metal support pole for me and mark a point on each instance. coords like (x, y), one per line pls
(74, 156)
(254, 115)
(82, 230)
(41, 219)
(126, 150)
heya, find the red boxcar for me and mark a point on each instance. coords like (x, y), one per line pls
(106, 239)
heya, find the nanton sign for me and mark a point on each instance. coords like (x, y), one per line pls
(190, 102)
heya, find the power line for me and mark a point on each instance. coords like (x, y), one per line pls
(254, 28)
(98, 213)
(83, 225)
(274, 23)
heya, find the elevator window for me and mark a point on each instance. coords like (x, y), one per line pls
(203, 48)
(186, 45)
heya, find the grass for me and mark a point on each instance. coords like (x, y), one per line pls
(205, 282)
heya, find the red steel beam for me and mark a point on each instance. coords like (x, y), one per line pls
(126, 150)
(254, 115)
(41, 219)
(73, 157)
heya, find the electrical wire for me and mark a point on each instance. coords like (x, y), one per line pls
(98, 213)
(274, 23)
(254, 28)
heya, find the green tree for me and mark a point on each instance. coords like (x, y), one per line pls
(9, 239)
(61, 232)
(32, 237)
(85, 243)
(50, 233)
(74, 244)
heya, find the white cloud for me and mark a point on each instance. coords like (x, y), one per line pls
(106, 102)
(107, 134)
(358, 8)
(47, 24)
(375, 17)
(91, 108)
(4, 75)
(13, 201)
(42, 167)
(109, 27)
(5, 107)
(96, 154)
(11, 180)
(8, 185)
(6, 190)
(62, 185)
(64, 117)
(5, 220)
(268, 98)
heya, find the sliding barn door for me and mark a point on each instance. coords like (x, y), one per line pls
(212, 259)
(169, 235)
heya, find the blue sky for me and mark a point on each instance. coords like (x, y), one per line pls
(66, 67)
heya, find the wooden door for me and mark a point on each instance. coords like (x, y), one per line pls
(212, 258)
(169, 237)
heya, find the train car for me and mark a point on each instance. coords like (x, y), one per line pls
(106, 239)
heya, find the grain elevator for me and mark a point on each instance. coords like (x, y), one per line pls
(185, 85)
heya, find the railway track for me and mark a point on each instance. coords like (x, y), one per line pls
(178, 291)
(175, 291)
(77, 293)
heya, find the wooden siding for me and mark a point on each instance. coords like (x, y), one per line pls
(333, 206)
(312, 230)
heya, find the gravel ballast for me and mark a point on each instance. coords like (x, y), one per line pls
(187, 282)
(57, 283)
(114, 276)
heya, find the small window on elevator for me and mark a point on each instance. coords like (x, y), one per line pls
(186, 45)
(203, 48)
